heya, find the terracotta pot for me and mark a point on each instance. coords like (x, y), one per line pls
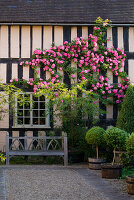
(111, 171)
(94, 163)
(130, 184)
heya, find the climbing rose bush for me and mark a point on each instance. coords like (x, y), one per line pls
(90, 60)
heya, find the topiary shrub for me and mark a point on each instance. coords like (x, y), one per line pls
(116, 138)
(130, 144)
(95, 136)
(125, 119)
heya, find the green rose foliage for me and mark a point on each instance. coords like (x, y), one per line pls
(130, 144)
(2, 158)
(125, 120)
(95, 136)
(116, 138)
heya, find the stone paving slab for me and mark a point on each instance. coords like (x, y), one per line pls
(102, 185)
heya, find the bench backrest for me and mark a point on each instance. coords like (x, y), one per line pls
(37, 144)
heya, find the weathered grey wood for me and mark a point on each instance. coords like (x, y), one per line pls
(65, 150)
(39, 137)
(36, 153)
(25, 141)
(45, 142)
(42, 147)
(62, 140)
(7, 148)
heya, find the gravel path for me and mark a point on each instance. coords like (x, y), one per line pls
(48, 184)
(54, 182)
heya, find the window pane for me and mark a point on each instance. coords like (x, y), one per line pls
(27, 121)
(20, 113)
(21, 96)
(27, 113)
(35, 98)
(35, 113)
(26, 105)
(20, 105)
(42, 113)
(20, 121)
(42, 121)
(35, 105)
(42, 98)
(35, 121)
(27, 95)
(42, 105)
(27, 109)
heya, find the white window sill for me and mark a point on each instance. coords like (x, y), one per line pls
(34, 126)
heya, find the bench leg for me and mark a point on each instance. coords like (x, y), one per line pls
(7, 160)
(65, 160)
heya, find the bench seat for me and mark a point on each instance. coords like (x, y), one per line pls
(36, 153)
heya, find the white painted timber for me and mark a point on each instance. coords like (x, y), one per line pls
(25, 42)
(4, 42)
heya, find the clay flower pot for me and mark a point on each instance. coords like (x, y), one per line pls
(94, 163)
(130, 184)
(111, 171)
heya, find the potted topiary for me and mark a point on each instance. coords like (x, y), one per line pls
(130, 150)
(115, 138)
(94, 136)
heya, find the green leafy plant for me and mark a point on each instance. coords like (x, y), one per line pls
(94, 136)
(130, 144)
(2, 158)
(116, 138)
(125, 159)
(125, 120)
(8, 94)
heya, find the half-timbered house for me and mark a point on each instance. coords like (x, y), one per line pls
(29, 24)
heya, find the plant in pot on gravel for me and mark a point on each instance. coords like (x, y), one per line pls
(115, 138)
(94, 136)
(130, 151)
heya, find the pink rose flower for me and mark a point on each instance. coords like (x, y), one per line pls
(104, 24)
(73, 75)
(117, 101)
(95, 28)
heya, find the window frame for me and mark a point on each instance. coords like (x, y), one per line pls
(31, 125)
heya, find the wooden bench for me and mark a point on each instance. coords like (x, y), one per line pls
(37, 146)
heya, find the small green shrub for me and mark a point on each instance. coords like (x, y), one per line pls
(125, 160)
(2, 158)
(94, 136)
(125, 119)
(116, 138)
(130, 144)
